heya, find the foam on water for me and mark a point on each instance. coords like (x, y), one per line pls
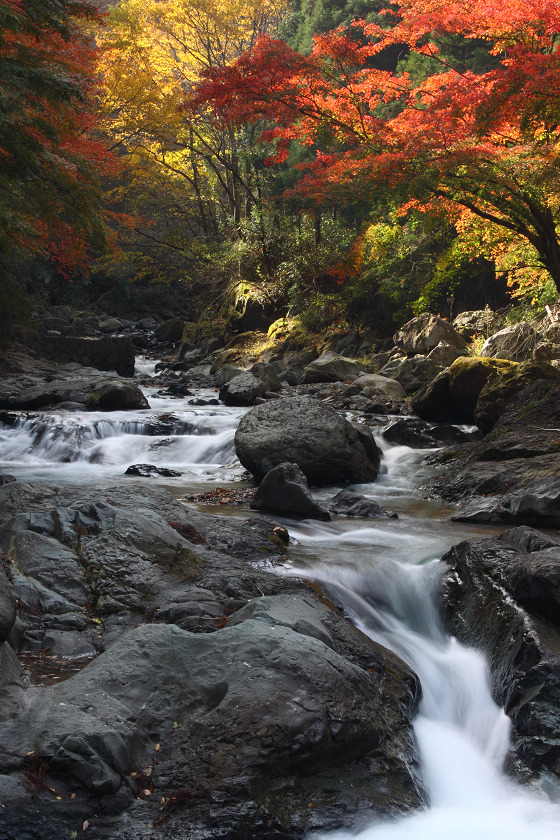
(386, 575)
(384, 572)
(60, 446)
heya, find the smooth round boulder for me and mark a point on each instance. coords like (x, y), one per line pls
(412, 373)
(226, 374)
(246, 388)
(170, 331)
(445, 354)
(374, 384)
(117, 396)
(326, 447)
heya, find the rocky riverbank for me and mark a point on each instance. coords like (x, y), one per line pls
(171, 680)
(220, 697)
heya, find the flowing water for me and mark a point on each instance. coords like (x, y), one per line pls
(385, 573)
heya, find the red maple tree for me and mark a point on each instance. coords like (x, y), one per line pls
(49, 160)
(482, 142)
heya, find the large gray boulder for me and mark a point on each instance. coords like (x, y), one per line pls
(445, 354)
(114, 395)
(420, 335)
(515, 343)
(413, 373)
(326, 447)
(170, 331)
(330, 367)
(495, 597)
(226, 374)
(474, 322)
(374, 384)
(284, 490)
(255, 713)
(246, 388)
(283, 705)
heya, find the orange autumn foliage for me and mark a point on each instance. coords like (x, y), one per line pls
(50, 162)
(485, 143)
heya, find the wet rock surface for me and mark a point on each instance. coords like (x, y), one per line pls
(284, 491)
(347, 503)
(501, 596)
(510, 476)
(219, 694)
(150, 471)
(86, 389)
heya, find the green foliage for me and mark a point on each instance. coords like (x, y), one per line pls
(451, 269)
(312, 17)
(400, 258)
(15, 307)
(322, 311)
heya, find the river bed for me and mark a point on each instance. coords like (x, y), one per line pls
(385, 573)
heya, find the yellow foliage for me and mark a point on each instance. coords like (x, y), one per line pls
(152, 52)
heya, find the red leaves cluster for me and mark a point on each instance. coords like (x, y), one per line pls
(49, 161)
(334, 100)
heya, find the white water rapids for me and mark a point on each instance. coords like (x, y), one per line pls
(384, 572)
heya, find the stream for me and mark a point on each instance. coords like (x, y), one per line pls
(385, 573)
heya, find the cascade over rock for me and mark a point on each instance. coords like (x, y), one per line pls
(495, 595)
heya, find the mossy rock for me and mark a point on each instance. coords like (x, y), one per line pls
(185, 563)
(468, 376)
(249, 309)
(477, 390)
(499, 389)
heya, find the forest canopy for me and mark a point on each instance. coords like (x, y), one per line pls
(368, 171)
(439, 133)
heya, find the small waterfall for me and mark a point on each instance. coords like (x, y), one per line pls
(386, 575)
(59, 446)
(144, 366)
